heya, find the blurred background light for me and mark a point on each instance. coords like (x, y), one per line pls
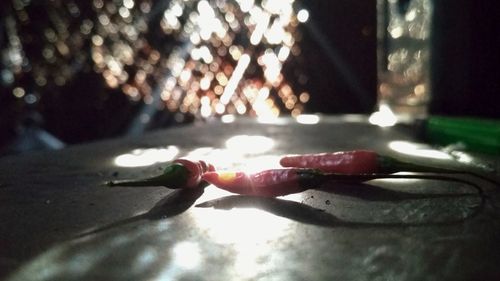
(244, 144)
(125, 67)
(309, 119)
(384, 117)
(419, 150)
(146, 157)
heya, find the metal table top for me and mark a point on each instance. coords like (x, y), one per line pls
(59, 222)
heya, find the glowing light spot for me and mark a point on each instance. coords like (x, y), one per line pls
(30, 98)
(262, 19)
(245, 5)
(206, 55)
(246, 144)
(171, 20)
(221, 78)
(411, 15)
(205, 110)
(227, 118)
(195, 38)
(462, 157)
(419, 90)
(303, 15)
(97, 40)
(124, 12)
(18, 92)
(129, 4)
(146, 157)
(220, 108)
(176, 9)
(396, 32)
(242, 65)
(243, 223)
(384, 117)
(199, 153)
(227, 176)
(308, 119)
(145, 259)
(283, 53)
(269, 118)
(272, 66)
(235, 52)
(185, 75)
(256, 164)
(278, 6)
(304, 97)
(419, 150)
(186, 255)
(241, 108)
(275, 34)
(263, 93)
(207, 22)
(195, 54)
(205, 83)
(103, 19)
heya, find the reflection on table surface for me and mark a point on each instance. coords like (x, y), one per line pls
(75, 228)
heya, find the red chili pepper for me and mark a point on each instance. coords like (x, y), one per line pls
(356, 162)
(180, 173)
(359, 162)
(268, 183)
(345, 162)
(279, 182)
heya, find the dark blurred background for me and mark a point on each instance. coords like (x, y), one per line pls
(74, 72)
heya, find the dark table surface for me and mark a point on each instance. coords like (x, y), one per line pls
(59, 222)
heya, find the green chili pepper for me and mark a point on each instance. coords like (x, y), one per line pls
(180, 173)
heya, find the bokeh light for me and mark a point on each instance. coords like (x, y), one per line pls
(201, 58)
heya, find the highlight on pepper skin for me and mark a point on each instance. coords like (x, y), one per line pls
(236, 182)
(344, 162)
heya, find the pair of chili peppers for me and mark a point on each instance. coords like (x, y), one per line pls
(302, 172)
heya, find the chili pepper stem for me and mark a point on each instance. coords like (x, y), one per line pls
(392, 165)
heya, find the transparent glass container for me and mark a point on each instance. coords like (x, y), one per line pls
(403, 58)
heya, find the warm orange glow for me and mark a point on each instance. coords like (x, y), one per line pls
(227, 177)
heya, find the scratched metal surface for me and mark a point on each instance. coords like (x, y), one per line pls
(58, 222)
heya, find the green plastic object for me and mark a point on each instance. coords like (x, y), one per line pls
(481, 135)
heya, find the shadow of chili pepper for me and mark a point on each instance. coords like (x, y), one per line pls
(176, 202)
(370, 192)
(306, 214)
(284, 208)
(489, 194)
